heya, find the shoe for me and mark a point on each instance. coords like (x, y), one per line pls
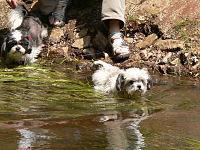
(120, 48)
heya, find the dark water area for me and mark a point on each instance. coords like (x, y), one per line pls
(57, 109)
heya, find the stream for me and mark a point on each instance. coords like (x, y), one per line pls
(48, 108)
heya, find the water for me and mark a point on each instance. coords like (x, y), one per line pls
(50, 109)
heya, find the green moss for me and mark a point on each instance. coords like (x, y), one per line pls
(183, 23)
(131, 18)
(184, 35)
(193, 144)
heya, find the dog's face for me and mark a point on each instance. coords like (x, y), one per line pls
(16, 44)
(134, 80)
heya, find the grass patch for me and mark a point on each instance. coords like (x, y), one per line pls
(182, 24)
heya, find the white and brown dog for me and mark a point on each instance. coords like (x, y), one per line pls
(116, 81)
(23, 43)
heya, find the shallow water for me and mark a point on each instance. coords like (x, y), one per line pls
(48, 109)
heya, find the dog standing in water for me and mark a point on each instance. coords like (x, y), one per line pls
(115, 81)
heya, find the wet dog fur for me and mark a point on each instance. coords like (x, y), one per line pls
(115, 81)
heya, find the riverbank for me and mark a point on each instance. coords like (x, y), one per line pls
(163, 36)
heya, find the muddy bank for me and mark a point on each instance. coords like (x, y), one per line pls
(163, 35)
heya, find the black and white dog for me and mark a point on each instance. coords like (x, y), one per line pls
(23, 43)
(115, 81)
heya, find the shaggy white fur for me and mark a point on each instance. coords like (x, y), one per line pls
(112, 80)
(16, 17)
(24, 42)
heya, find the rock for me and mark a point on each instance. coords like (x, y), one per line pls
(129, 40)
(70, 28)
(175, 62)
(196, 66)
(148, 41)
(163, 69)
(82, 42)
(144, 55)
(138, 37)
(56, 35)
(165, 60)
(142, 45)
(65, 51)
(169, 45)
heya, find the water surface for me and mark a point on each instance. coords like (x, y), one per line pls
(47, 108)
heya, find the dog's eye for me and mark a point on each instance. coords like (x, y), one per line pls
(131, 81)
(12, 42)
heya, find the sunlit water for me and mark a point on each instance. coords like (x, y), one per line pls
(52, 109)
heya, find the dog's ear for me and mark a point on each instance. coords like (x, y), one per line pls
(149, 80)
(3, 48)
(120, 81)
(96, 67)
(149, 84)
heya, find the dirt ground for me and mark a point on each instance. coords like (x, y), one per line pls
(163, 35)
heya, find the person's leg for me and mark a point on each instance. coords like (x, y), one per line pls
(113, 12)
(55, 9)
(47, 6)
(114, 26)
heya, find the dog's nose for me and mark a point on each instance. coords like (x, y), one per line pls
(139, 87)
(17, 49)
